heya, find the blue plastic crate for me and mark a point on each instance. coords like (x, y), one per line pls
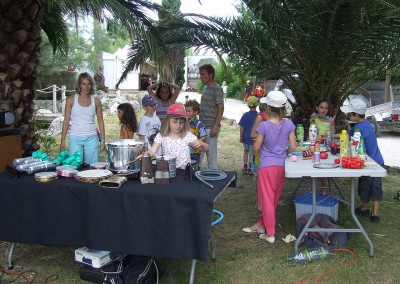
(326, 204)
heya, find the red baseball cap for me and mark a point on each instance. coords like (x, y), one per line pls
(177, 110)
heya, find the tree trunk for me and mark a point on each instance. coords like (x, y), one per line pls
(19, 49)
(388, 79)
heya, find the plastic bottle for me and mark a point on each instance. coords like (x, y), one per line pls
(362, 153)
(309, 255)
(328, 139)
(300, 134)
(317, 152)
(312, 132)
(356, 137)
(344, 143)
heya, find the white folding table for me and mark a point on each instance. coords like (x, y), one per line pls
(305, 168)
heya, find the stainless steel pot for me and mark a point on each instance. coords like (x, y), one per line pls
(122, 152)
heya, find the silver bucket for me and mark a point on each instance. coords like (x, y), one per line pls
(122, 152)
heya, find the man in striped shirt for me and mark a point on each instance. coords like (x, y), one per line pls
(211, 111)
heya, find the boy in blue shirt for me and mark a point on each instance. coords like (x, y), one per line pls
(246, 124)
(369, 188)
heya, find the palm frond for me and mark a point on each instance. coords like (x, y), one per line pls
(55, 27)
(134, 15)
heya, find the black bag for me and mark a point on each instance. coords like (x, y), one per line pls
(108, 274)
(141, 270)
(129, 269)
(324, 239)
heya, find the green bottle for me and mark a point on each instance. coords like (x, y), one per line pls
(362, 153)
(300, 134)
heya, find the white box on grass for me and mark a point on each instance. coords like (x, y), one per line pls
(326, 204)
(94, 258)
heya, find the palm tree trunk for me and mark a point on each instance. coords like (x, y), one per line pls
(19, 57)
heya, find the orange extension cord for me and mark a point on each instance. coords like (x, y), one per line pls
(354, 257)
(25, 275)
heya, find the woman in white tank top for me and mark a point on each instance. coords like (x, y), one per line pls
(80, 110)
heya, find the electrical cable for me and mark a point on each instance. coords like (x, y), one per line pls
(210, 175)
(28, 275)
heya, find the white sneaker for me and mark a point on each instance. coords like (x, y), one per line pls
(254, 229)
(265, 237)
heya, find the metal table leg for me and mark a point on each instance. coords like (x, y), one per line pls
(297, 187)
(353, 214)
(338, 188)
(192, 271)
(9, 256)
(212, 247)
(314, 209)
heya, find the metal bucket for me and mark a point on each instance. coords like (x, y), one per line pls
(122, 152)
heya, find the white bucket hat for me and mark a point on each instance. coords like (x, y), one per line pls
(274, 99)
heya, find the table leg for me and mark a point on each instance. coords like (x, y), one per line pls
(338, 188)
(297, 187)
(192, 271)
(314, 209)
(9, 256)
(352, 198)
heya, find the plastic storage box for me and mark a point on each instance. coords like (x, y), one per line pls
(326, 204)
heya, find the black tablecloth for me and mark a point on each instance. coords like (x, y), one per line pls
(171, 221)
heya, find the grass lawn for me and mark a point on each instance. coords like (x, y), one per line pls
(243, 258)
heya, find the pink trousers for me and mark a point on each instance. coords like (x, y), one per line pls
(270, 184)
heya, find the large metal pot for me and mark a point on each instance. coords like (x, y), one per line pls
(122, 152)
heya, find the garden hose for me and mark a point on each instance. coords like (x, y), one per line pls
(220, 218)
(210, 175)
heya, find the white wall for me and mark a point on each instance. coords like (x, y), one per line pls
(113, 68)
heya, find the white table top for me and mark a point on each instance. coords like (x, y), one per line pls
(305, 168)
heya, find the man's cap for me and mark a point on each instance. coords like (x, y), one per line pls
(177, 110)
(149, 101)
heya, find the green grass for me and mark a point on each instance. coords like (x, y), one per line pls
(243, 258)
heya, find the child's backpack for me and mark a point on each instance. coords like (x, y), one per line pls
(325, 239)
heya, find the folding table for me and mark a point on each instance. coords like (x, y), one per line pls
(305, 168)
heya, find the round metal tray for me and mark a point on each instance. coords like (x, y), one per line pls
(326, 166)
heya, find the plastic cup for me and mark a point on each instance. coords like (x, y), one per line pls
(328, 139)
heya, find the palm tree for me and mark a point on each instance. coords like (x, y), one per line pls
(169, 65)
(320, 49)
(20, 36)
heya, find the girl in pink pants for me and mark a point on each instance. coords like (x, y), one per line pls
(271, 142)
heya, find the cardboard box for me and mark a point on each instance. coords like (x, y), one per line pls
(326, 204)
(10, 148)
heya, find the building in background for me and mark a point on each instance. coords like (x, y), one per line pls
(114, 65)
(192, 64)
